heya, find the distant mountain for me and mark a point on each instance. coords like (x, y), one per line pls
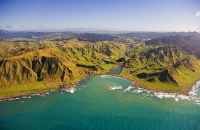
(21, 34)
(190, 43)
(58, 36)
(96, 37)
(153, 35)
(91, 35)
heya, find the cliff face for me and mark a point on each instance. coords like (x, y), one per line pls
(51, 68)
(14, 71)
(47, 61)
(68, 61)
(43, 68)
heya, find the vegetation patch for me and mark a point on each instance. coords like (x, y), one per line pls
(163, 64)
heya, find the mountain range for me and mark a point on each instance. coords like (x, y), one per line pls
(167, 62)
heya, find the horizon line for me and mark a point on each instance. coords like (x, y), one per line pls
(93, 30)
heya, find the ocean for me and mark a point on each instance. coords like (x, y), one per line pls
(103, 103)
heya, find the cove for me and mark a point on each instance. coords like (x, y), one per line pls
(102, 102)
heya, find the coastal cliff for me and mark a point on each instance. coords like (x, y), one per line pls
(157, 64)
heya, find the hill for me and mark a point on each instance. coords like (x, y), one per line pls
(169, 63)
(190, 43)
(51, 62)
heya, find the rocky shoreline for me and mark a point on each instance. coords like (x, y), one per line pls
(66, 86)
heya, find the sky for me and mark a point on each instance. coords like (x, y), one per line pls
(119, 15)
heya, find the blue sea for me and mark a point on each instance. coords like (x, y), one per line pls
(103, 103)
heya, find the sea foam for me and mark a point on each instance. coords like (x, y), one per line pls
(161, 95)
(128, 88)
(192, 94)
(115, 87)
(70, 90)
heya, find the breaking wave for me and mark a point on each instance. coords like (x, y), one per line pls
(70, 90)
(192, 94)
(115, 87)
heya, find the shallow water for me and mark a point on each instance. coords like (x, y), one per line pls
(103, 102)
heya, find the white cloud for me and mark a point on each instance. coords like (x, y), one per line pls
(150, 28)
(9, 26)
(197, 14)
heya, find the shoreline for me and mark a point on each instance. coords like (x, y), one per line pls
(138, 84)
(134, 82)
(71, 85)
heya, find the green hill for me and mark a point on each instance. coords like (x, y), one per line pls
(53, 63)
(41, 65)
(162, 67)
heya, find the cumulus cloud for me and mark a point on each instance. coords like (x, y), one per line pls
(197, 14)
(8, 26)
(40, 26)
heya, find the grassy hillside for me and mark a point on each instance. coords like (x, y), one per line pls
(162, 68)
(35, 66)
(48, 62)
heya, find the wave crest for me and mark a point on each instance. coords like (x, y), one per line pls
(115, 87)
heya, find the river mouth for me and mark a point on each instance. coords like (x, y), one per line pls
(115, 70)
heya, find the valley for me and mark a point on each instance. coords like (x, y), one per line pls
(48, 60)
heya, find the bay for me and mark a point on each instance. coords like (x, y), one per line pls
(102, 102)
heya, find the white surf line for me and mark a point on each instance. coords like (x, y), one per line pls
(28, 96)
(192, 94)
(128, 88)
(115, 87)
(70, 90)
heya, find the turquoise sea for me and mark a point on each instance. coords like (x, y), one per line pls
(103, 103)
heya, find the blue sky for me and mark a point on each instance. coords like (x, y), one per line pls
(126, 15)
